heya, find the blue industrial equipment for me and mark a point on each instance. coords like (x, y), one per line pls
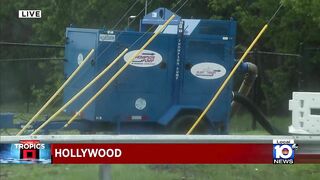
(175, 76)
(6, 120)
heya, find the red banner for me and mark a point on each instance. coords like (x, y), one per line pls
(169, 154)
(161, 153)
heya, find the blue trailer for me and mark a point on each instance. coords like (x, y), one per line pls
(166, 86)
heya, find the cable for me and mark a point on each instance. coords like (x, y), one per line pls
(274, 15)
(105, 49)
(272, 53)
(149, 3)
(31, 44)
(29, 59)
(125, 14)
(136, 41)
(181, 6)
(176, 5)
(257, 114)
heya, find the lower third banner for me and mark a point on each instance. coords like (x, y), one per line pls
(278, 152)
(161, 153)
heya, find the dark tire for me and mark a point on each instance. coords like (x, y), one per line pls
(182, 123)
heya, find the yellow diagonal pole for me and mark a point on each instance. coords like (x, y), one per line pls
(119, 71)
(227, 80)
(81, 91)
(56, 93)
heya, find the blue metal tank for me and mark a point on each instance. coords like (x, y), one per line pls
(176, 74)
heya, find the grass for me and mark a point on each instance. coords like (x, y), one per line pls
(242, 124)
(165, 172)
(21, 114)
(48, 172)
(238, 125)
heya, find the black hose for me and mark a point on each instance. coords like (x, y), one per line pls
(257, 114)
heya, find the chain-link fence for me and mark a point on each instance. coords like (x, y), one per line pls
(280, 74)
(29, 73)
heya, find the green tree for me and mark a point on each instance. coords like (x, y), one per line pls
(296, 23)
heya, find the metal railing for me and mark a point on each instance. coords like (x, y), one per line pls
(261, 139)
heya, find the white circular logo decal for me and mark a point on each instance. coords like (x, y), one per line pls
(146, 58)
(140, 103)
(208, 70)
(80, 58)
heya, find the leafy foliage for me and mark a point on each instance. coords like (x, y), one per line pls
(296, 27)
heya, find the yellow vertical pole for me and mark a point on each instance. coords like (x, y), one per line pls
(56, 93)
(81, 91)
(119, 71)
(227, 79)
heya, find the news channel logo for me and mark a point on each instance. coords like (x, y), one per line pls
(25, 152)
(283, 151)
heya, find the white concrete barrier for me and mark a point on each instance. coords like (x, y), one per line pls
(305, 107)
